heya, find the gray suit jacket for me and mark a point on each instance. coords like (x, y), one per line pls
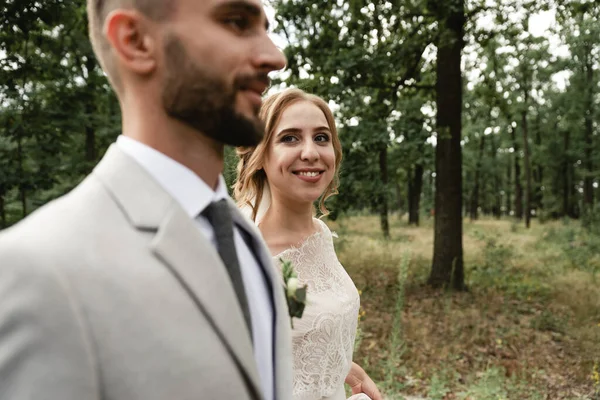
(111, 292)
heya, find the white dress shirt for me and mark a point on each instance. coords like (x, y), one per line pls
(194, 195)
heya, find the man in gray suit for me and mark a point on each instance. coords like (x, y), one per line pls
(145, 282)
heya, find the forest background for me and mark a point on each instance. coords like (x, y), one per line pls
(469, 209)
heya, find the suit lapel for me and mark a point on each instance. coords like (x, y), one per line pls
(283, 335)
(197, 266)
(185, 252)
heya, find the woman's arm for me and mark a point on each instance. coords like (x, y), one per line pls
(360, 382)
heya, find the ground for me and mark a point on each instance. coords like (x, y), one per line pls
(527, 328)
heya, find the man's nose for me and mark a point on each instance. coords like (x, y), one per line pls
(268, 57)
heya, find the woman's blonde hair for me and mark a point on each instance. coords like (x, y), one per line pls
(251, 177)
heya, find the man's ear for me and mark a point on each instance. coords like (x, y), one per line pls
(132, 43)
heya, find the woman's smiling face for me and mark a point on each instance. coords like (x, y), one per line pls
(300, 161)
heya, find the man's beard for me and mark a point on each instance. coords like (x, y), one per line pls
(205, 102)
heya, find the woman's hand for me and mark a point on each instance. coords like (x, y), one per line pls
(360, 382)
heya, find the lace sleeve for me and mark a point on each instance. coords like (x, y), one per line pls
(325, 228)
(323, 339)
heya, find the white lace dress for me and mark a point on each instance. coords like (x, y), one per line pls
(323, 339)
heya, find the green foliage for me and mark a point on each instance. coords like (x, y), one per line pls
(439, 385)
(549, 321)
(496, 254)
(496, 270)
(595, 376)
(505, 337)
(57, 112)
(397, 346)
(488, 386)
(229, 173)
(492, 384)
(578, 246)
(375, 61)
(591, 220)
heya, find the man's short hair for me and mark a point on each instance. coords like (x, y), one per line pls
(98, 10)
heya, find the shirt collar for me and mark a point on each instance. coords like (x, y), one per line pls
(191, 192)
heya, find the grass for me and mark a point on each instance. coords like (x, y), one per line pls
(528, 328)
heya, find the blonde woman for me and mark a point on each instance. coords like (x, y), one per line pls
(278, 182)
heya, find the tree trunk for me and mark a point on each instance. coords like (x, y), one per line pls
(399, 199)
(539, 169)
(383, 203)
(447, 267)
(574, 213)
(474, 208)
(518, 187)
(432, 180)
(508, 203)
(22, 185)
(415, 187)
(527, 166)
(20, 168)
(409, 195)
(566, 181)
(535, 187)
(497, 207)
(588, 181)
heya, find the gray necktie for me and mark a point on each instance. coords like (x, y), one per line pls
(219, 216)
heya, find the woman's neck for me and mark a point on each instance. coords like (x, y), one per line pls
(286, 225)
(297, 218)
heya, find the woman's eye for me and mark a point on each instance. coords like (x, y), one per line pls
(322, 138)
(289, 139)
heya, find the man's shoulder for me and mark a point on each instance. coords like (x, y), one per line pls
(28, 249)
(61, 221)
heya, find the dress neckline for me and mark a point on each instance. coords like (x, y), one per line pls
(300, 245)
